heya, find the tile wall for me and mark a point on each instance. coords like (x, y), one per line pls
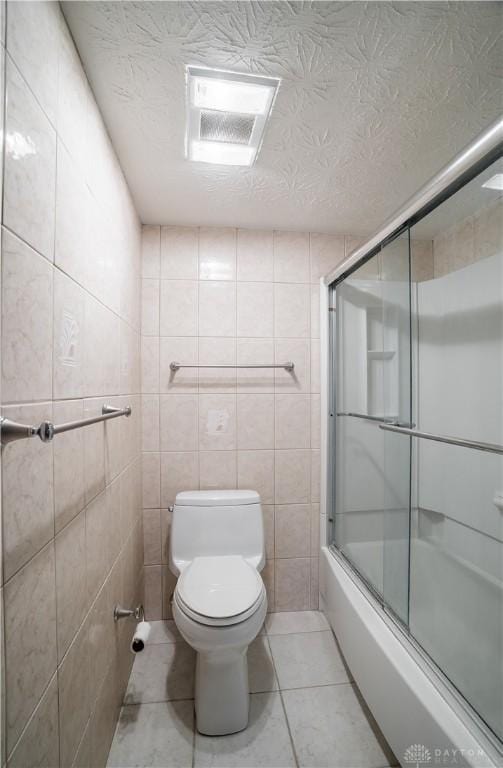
(224, 296)
(72, 523)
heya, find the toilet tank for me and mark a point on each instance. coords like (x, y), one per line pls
(216, 523)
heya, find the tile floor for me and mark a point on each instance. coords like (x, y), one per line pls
(304, 710)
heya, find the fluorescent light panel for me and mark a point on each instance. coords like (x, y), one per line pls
(231, 94)
(495, 182)
(221, 153)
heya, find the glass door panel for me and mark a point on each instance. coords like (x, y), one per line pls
(396, 362)
(372, 371)
(456, 609)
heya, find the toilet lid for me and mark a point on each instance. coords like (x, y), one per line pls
(219, 587)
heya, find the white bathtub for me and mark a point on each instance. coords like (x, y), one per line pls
(409, 702)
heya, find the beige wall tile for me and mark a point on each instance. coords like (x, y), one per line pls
(254, 255)
(39, 744)
(217, 351)
(217, 469)
(255, 305)
(291, 257)
(179, 253)
(217, 253)
(179, 422)
(292, 311)
(315, 421)
(268, 578)
(94, 452)
(150, 422)
(268, 518)
(149, 365)
(69, 328)
(179, 308)
(292, 421)
(73, 680)
(151, 480)
(315, 365)
(72, 598)
(151, 536)
(179, 472)
(97, 543)
(30, 177)
(315, 475)
(315, 311)
(292, 584)
(166, 520)
(32, 38)
(315, 530)
(217, 308)
(297, 351)
(27, 492)
(315, 588)
(69, 482)
(150, 251)
(293, 470)
(255, 421)
(255, 380)
(150, 305)
(30, 639)
(292, 524)
(26, 323)
(153, 592)
(326, 252)
(217, 422)
(182, 350)
(256, 472)
(73, 205)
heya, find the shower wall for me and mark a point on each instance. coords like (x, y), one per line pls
(226, 296)
(72, 526)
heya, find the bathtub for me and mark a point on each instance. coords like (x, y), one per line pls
(412, 705)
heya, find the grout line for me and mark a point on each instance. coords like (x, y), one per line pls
(294, 751)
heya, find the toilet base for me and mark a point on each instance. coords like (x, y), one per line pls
(222, 696)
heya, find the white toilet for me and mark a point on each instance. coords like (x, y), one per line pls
(219, 603)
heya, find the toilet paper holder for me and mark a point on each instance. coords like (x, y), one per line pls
(125, 613)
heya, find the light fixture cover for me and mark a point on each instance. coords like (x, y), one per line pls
(495, 182)
(226, 115)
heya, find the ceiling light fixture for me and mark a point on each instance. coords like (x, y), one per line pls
(226, 115)
(495, 182)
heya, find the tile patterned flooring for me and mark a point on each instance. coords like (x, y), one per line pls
(305, 711)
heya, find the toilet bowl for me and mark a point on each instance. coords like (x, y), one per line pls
(219, 603)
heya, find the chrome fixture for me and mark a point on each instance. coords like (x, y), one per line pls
(12, 431)
(478, 153)
(125, 613)
(378, 419)
(478, 446)
(287, 366)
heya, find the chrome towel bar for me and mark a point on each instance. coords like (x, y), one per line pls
(380, 419)
(12, 431)
(287, 366)
(475, 444)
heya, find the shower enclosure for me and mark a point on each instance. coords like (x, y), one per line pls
(415, 468)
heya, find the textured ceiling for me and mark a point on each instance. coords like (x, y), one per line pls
(374, 98)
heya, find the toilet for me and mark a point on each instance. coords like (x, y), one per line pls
(219, 603)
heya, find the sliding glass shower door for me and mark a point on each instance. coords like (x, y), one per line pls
(417, 377)
(372, 369)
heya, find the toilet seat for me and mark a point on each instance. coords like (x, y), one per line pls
(219, 591)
